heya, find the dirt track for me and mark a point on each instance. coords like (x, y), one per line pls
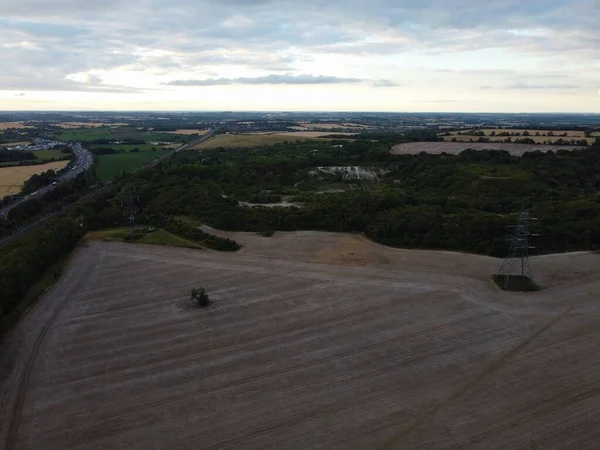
(316, 340)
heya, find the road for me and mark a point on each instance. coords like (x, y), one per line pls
(185, 147)
(83, 161)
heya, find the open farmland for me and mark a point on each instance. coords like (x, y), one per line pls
(454, 148)
(12, 178)
(189, 132)
(548, 140)
(330, 126)
(89, 124)
(313, 134)
(519, 132)
(244, 140)
(398, 349)
(108, 166)
(13, 125)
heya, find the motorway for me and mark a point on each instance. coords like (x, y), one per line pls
(83, 161)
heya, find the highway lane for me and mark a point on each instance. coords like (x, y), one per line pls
(83, 161)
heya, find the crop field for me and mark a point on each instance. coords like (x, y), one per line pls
(14, 144)
(130, 147)
(330, 126)
(13, 177)
(189, 132)
(244, 140)
(51, 154)
(313, 134)
(532, 132)
(89, 124)
(90, 134)
(14, 125)
(454, 148)
(313, 340)
(549, 140)
(260, 139)
(110, 165)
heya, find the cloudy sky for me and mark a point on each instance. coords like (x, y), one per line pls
(356, 55)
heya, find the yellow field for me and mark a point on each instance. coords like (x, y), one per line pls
(596, 134)
(245, 140)
(329, 126)
(12, 178)
(88, 124)
(7, 125)
(15, 144)
(312, 134)
(189, 132)
(536, 139)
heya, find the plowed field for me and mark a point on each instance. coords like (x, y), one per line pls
(314, 341)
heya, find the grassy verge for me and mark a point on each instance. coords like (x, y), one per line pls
(156, 237)
(162, 237)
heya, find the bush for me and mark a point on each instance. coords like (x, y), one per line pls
(200, 297)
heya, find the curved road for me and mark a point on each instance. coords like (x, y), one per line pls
(83, 161)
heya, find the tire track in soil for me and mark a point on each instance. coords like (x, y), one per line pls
(17, 409)
(488, 372)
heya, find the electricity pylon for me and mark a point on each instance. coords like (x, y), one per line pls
(130, 206)
(517, 261)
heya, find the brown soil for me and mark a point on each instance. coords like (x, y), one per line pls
(314, 340)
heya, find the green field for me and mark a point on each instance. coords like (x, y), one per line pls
(42, 157)
(85, 134)
(51, 154)
(117, 134)
(127, 147)
(108, 166)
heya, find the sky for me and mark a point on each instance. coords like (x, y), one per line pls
(284, 55)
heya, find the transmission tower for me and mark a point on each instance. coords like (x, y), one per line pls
(130, 206)
(517, 261)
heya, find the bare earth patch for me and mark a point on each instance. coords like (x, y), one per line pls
(454, 148)
(13, 177)
(314, 340)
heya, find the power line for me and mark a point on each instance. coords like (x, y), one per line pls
(516, 263)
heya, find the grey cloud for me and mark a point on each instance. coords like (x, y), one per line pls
(385, 83)
(75, 35)
(528, 86)
(268, 79)
(520, 85)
